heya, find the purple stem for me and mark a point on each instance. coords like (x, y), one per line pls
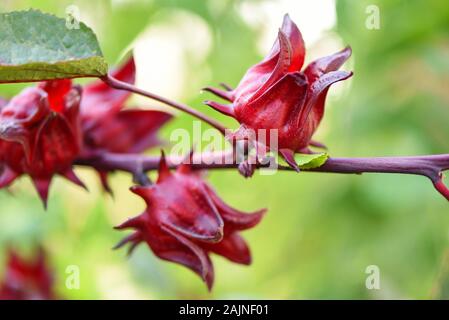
(120, 85)
(430, 166)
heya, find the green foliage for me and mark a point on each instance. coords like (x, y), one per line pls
(310, 161)
(37, 46)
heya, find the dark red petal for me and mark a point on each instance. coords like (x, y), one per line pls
(126, 72)
(56, 145)
(27, 279)
(289, 157)
(100, 101)
(134, 239)
(207, 231)
(296, 42)
(144, 192)
(104, 181)
(50, 140)
(56, 89)
(142, 127)
(255, 76)
(294, 36)
(274, 66)
(188, 254)
(7, 176)
(163, 171)
(130, 131)
(234, 248)
(71, 176)
(137, 222)
(27, 108)
(264, 74)
(14, 261)
(317, 95)
(72, 104)
(317, 69)
(275, 107)
(233, 218)
(42, 186)
(327, 64)
(192, 213)
(282, 66)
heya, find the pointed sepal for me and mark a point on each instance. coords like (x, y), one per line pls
(71, 176)
(42, 186)
(225, 109)
(289, 157)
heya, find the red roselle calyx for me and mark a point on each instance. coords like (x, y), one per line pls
(108, 127)
(185, 220)
(45, 128)
(276, 94)
(27, 279)
(40, 135)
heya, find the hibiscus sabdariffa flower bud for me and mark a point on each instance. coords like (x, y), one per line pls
(276, 94)
(110, 127)
(26, 279)
(40, 135)
(45, 128)
(185, 220)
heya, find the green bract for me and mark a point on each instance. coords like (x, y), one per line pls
(310, 161)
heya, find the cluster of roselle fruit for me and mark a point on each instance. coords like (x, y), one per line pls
(45, 128)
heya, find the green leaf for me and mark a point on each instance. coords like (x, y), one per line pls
(310, 161)
(36, 46)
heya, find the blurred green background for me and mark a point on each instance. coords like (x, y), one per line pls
(322, 230)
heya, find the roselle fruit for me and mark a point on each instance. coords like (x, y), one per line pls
(45, 128)
(25, 279)
(109, 127)
(40, 135)
(276, 94)
(185, 220)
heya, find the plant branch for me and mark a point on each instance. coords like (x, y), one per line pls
(430, 166)
(120, 85)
